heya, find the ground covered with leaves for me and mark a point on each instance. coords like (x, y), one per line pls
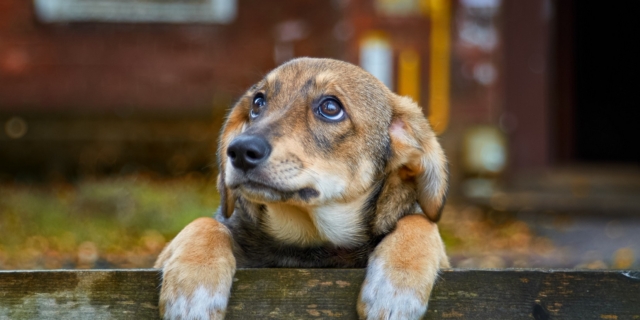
(108, 223)
(124, 222)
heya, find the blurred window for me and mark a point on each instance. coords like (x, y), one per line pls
(376, 57)
(400, 8)
(167, 11)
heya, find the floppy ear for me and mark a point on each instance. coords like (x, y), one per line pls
(417, 157)
(232, 127)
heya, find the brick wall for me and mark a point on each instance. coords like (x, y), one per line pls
(100, 67)
(100, 98)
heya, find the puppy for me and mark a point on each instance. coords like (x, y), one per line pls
(320, 165)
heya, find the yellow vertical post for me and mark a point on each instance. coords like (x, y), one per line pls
(439, 58)
(409, 74)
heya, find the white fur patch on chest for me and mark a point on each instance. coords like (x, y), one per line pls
(342, 224)
(339, 224)
(291, 225)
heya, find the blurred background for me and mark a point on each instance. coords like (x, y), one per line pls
(110, 110)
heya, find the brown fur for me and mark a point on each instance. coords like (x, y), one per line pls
(188, 262)
(422, 256)
(338, 193)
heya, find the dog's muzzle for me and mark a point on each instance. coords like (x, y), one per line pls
(248, 151)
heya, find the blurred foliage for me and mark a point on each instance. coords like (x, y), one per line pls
(488, 239)
(479, 237)
(114, 222)
(124, 222)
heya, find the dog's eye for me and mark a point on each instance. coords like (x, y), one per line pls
(258, 103)
(331, 110)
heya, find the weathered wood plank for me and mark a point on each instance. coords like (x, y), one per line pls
(327, 294)
(70, 294)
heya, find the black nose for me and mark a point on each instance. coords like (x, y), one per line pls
(247, 152)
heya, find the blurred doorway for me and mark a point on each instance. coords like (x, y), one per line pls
(595, 83)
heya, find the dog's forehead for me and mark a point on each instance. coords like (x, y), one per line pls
(308, 77)
(326, 70)
(321, 69)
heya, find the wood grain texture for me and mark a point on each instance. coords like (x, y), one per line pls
(327, 294)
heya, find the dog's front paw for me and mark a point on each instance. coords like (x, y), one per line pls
(194, 293)
(402, 271)
(201, 303)
(197, 272)
(384, 297)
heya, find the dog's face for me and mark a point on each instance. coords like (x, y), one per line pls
(316, 141)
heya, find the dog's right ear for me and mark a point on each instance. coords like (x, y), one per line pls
(233, 126)
(418, 157)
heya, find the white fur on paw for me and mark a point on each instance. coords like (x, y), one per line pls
(384, 300)
(203, 304)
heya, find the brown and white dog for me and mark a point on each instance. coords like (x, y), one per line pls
(320, 166)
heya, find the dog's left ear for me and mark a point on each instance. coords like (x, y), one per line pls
(232, 127)
(418, 157)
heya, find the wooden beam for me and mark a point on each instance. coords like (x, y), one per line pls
(326, 293)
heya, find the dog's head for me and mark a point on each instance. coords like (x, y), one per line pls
(321, 133)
